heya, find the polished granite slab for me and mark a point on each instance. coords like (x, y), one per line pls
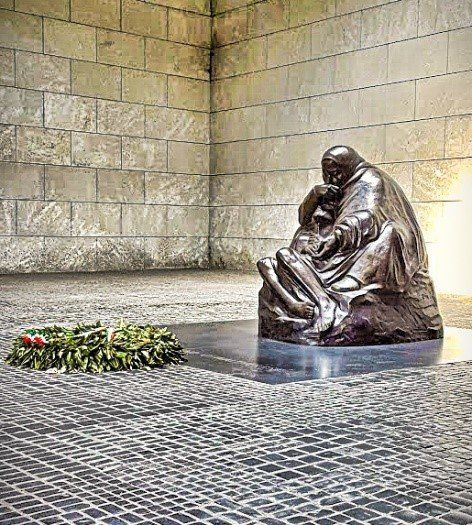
(234, 348)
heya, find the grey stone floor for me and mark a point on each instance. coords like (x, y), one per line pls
(187, 446)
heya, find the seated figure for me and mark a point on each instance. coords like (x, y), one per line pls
(356, 271)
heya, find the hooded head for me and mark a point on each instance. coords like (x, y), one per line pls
(339, 164)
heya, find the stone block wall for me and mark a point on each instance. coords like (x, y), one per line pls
(293, 77)
(104, 134)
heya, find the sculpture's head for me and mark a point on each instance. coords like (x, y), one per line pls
(339, 163)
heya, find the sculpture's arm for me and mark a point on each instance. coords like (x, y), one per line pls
(307, 208)
(356, 230)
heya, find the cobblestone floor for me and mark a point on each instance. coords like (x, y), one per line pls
(187, 446)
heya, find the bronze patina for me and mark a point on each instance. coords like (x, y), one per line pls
(356, 272)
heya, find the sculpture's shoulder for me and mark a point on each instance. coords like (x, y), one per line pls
(373, 178)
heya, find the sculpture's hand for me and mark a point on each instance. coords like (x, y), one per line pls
(326, 247)
(310, 249)
(329, 191)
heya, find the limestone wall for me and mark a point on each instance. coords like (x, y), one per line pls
(104, 134)
(293, 77)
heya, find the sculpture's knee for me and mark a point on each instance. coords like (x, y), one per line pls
(286, 256)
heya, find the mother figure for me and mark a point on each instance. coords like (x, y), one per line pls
(356, 271)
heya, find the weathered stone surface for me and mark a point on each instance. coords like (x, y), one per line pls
(189, 28)
(120, 118)
(176, 252)
(69, 40)
(69, 112)
(144, 18)
(50, 8)
(96, 80)
(384, 104)
(187, 93)
(95, 219)
(239, 124)
(7, 67)
(429, 215)
(287, 118)
(42, 72)
(96, 151)
(177, 124)
(101, 13)
(240, 58)
(43, 218)
(7, 217)
(458, 135)
(267, 17)
(185, 157)
(370, 140)
(21, 254)
(230, 27)
(114, 253)
(20, 31)
(460, 50)
(70, 254)
(439, 180)
(144, 87)
(144, 220)
(7, 142)
(306, 79)
(144, 154)
(21, 106)
(306, 11)
(348, 6)
(120, 49)
(286, 47)
(21, 181)
(70, 183)
(187, 221)
(372, 62)
(325, 114)
(120, 186)
(436, 16)
(336, 35)
(164, 188)
(43, 145)
(198, 6)
(421, 57)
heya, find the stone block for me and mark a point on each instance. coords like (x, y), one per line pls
(240, 58)
(21, 254)
(144, 18)
(436, 16)
(144, 87)
(310, 78)
(21, 181)
(42, 72)
(177, 59)
(70, 183)
(445, 95)
(307, 11)
(120, 49)
(287, 47)
(96, 80)
(120, 186)
(239, 124)
(442, 180)
(101, 13)
(7, 4)
(458, 136)
(49, 8)
(189, 28)
(368, 141)
(336, 35)
(325, 113)
(7, 67)
(21, 106)
(421, 57)
(430, 217)
(120, 118)
(114, 253)
(177, 124)
(388, 103)
(7, 217)
(415, 140)
(90, 218)
(267, 17)
(460, 50)
(264, 86)
(185, 157)
(165, 188)
(287, 118)
(96, 151)
(144, 220)
(187, 221)
(69, 112)
(187, 93)
(7, 142)
(43, 218)
(349, 6)
(176, 252)
(69, 40)
(402, 172)
(69, 254)
(144, 154)
(230, 27)
(367, 67)
(20, 31)
(389, 23)
(43, 145)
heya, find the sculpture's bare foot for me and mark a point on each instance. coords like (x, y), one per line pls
(326, 318)
(348, 284)
(303, 310)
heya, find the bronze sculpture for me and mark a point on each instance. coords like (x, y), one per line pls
(356, 271)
